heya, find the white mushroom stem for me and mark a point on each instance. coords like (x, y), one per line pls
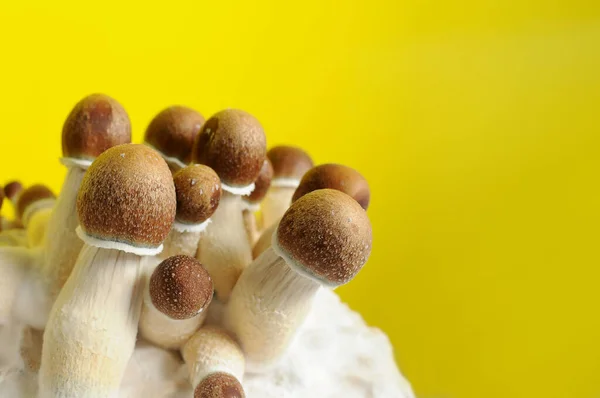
(264, 242)
(251, 226)
(31, 348)
(224, 249)
(92, 328)
(211, 350)
(15, 263)
(267, 307)
(183, 239)
(277, 201)
(62, 246)
(163, 331)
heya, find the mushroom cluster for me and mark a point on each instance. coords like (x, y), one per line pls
(197, 241)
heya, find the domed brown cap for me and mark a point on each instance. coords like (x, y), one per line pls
(12, 190)
(262, 183)
(338, 177)
(327, 235)
(289, 162)
(233, 143)
(173, 131)
(180, 287)
(219, 385)
(127, 196)
(32, 195)
(95, 124)
(198, 193)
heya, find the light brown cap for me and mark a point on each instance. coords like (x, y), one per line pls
(127, 196)
(173, 130)
(327, 235)
(32, 195)
(198, 193)
(219, 385)
(338, 177)
(262, 183)
(95, 124)
(12, 190)
(233, 143)
(289, 162)
(180, 287)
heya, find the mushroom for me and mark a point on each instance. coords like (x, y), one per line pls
(324, 239)
(175, 301)
(12, 191)
(325, 176)
(199, 192)
(34, 207)
(95, 124)
(126, 207)
(215, 363)
(251, 203)
(233, 144)
(172, 132)
(289, 165)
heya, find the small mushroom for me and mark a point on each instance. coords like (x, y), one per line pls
(289, 165)
(324, 239)
(172, 132)
(34, 207)
(176, 299)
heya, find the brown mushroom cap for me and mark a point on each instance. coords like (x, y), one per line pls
(232, 143)
(31, 195)
(289, 162)
(338, 177)
(127, 196)
(12, 190)
(219, 385)
(262, 183)
(95, 124)
(198, 191)
(180, 287)
(173, 130)
(327, 235)
(1, 198)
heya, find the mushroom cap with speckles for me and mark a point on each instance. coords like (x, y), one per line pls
(12, 190)
(327, 235)
(31, 195)
(219, 385)
(96, 123)
(233, 143)
(262, 183)
(289, 162)
(173, 131)
(127, 196)
(335, 176)
(180, 287)
(198, 193)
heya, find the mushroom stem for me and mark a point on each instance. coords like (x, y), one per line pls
(251, 226)
(31, 348)
(163, 331)
(255, 312)
(37, 225)
(276, 203)
(180, 242)
(62, 246)
(15, 263)
(92, 328)
(264, 242)
(224, 249)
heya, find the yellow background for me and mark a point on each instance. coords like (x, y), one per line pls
(476, 122)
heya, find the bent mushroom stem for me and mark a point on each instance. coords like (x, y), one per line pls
(89, 338)
(276, 203)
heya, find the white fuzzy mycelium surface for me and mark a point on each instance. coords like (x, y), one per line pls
(334, 355)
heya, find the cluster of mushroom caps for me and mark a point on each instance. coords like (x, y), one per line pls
(141, 236)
